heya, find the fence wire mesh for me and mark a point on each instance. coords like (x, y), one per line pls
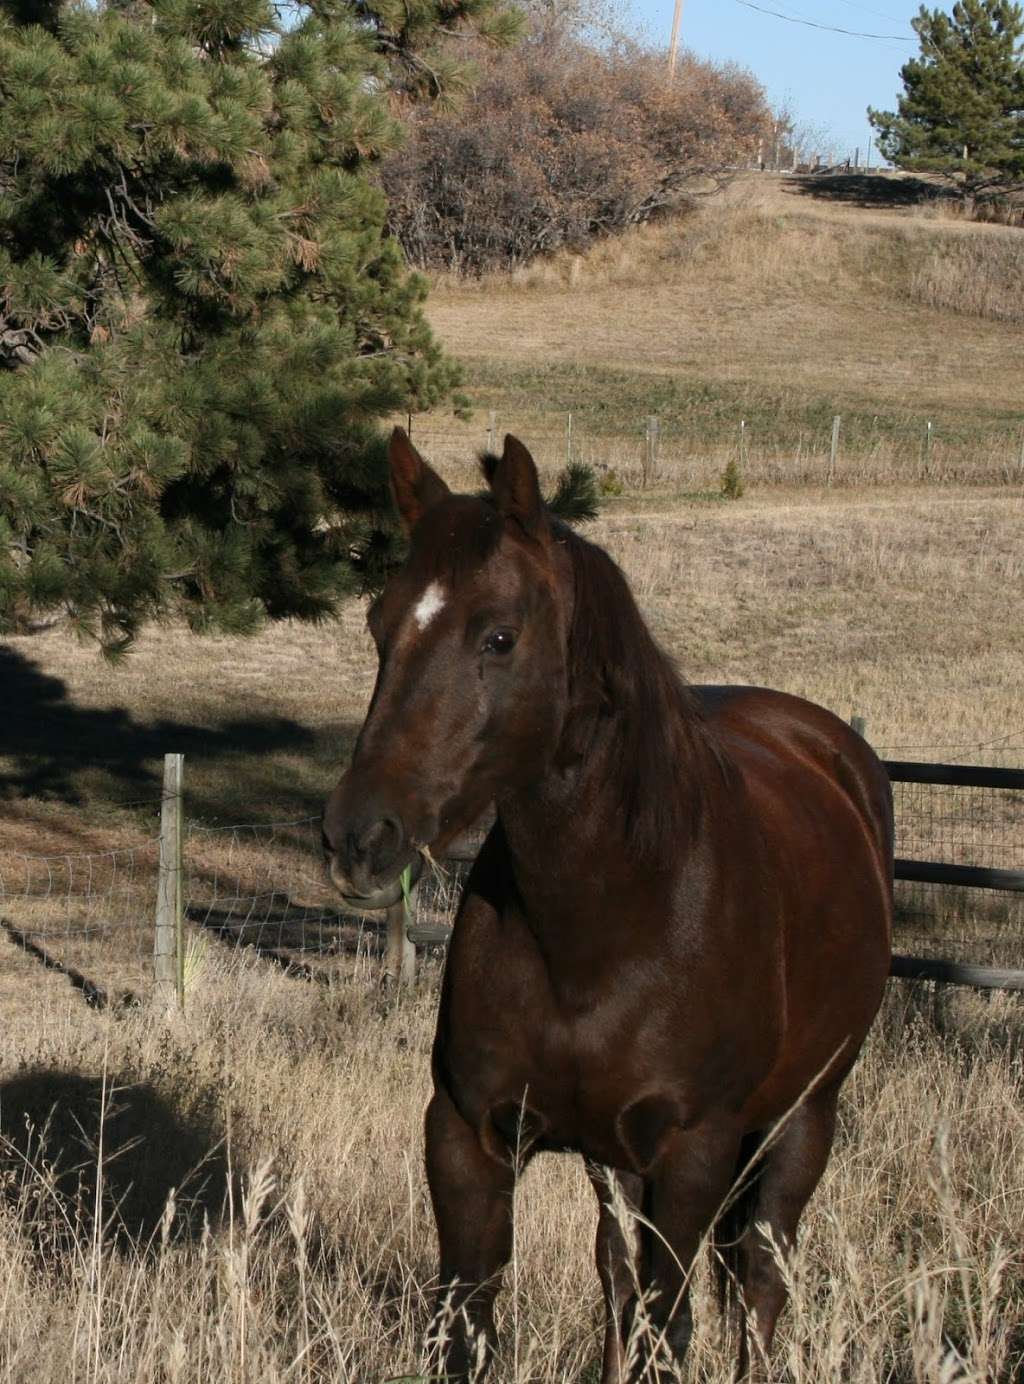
(265, 887)
(86, 915)
(961, 825)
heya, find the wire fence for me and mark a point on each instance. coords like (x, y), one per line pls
(687, 446)
(88, 917)
(266, 887)
(959, 824)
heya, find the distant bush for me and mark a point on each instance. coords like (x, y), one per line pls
(561, 143)
(609, 481)
(732, 480)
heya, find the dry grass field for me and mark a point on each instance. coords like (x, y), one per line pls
(236, 1194)
(782, 303)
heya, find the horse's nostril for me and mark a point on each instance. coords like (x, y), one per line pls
(380, 842)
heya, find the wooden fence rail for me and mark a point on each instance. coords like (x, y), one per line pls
(957, 776)
(937, 969)
(953, 775)
(956, 973)
(966, 876)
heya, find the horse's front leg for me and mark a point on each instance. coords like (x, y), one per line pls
(472, 1191)
(683, 1193)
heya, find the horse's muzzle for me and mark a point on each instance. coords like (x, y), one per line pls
(384, 896)
(367, 871)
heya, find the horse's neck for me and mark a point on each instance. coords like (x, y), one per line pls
(568, 833)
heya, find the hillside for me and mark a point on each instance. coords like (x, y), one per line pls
(780, 301)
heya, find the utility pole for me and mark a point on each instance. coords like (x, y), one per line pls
(673, 47)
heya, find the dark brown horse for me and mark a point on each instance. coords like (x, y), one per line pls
(674, 939)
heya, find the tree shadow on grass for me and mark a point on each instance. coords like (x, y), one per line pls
(76, 1149)
(52, 749)
(867, 189)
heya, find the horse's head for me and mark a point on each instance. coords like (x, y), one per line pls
(471, 688)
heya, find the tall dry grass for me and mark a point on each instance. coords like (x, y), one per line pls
(979, 276)
(301, 1107)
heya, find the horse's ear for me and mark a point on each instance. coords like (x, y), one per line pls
(415, 485)
(516, 487)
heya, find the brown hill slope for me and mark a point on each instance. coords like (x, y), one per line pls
(781, 301)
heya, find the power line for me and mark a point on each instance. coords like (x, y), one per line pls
(879, 14)
(829, 28)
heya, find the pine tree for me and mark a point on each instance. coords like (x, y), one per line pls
(961, 114)
(202, 320)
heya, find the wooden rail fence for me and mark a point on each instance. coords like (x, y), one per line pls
(960, 875)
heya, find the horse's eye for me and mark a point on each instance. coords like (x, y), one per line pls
(500, 642)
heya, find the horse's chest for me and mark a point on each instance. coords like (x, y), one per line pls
(597, 1052)
(596, 1084)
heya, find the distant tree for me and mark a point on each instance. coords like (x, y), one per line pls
(202, 317)
(961, 114)
(795, 141)
(562, 142)
(603, 21)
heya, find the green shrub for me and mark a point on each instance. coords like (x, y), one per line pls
(732, 480)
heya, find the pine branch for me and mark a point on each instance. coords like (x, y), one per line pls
(575, 498)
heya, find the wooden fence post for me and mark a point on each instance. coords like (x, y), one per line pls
(834, 452)
(860, 725)
(927, 454)
(651, 449)
(568, 441)
(169, 941)
(490, 432)
(400, 957)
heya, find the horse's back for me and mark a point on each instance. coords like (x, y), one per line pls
(761, 727)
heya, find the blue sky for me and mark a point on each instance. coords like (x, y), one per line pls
(829, 79)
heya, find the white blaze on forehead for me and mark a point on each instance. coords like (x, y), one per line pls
(429, 604)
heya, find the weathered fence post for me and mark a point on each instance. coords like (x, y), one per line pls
(490, 431)
(833, 456)
(926, 456)
(400, 956)
(169, 941)
(568, 440)
(651, 449)
(860, 725)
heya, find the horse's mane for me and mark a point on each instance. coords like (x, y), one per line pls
(617, 669)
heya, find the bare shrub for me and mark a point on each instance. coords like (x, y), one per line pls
(560, 145)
